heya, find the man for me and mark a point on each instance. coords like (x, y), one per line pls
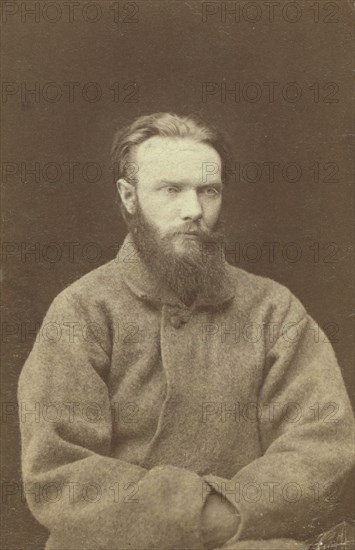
(215, 411)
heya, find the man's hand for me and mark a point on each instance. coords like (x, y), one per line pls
(220, 521)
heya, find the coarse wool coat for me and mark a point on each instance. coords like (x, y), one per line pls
(134, 408)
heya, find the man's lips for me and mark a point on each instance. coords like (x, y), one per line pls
(191, 234)
(189, 231)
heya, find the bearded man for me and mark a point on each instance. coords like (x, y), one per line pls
(196, 434)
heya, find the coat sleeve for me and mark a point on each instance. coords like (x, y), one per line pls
(306, 437)
(86, 498)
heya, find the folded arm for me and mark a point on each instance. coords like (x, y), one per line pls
(306, 433)
(86, 498)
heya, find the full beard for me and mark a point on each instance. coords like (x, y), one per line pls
(199, 270)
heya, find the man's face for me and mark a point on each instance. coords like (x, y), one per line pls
(179, 188)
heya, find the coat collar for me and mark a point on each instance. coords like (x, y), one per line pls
(143, 284)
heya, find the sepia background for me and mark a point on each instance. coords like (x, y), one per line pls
(95, 66)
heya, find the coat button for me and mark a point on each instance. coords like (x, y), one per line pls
(175, 321)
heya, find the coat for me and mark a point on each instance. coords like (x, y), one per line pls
(133, 408)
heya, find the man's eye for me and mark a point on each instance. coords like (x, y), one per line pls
(211, 191)
(171, 190)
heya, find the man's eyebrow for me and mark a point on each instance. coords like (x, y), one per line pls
(187, 182)
(171, 182)
(217, 184)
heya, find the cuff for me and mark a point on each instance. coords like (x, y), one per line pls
(270, 544)
(182, 497)
(219, 485)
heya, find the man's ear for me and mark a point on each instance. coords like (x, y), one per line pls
(127, 193)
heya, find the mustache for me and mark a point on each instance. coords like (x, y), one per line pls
(194, 230)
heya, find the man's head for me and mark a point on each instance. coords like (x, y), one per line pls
(170, 184)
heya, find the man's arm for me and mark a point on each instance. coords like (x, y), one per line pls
(86, 498)
(306, 433)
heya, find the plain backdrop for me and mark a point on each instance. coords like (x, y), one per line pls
(169, 51)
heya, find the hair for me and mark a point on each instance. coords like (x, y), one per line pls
(164, 125)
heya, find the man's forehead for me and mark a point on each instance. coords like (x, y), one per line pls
(157, 146)
(177, 159)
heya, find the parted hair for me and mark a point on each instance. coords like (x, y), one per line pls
(164, 125)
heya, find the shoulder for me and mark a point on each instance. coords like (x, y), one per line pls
(258, 292)
(93, 291)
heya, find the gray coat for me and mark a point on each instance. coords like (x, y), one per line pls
(142, 406)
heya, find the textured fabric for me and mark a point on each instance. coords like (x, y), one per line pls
(142, 406)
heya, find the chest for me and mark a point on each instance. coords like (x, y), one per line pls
(205, 356)
(191, 383)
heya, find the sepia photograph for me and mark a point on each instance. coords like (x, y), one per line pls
(177, 311)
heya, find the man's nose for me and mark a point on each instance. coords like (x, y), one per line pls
(191, 207)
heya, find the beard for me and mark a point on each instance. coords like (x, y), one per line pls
(198, 270)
